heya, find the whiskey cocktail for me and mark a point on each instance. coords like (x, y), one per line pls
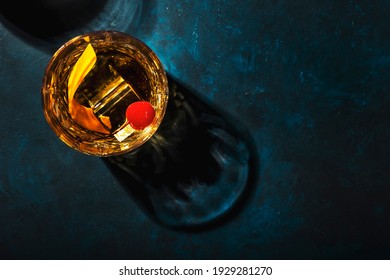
(104, 93)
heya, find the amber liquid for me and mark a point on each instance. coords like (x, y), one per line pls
(90, 82)
(115, 82)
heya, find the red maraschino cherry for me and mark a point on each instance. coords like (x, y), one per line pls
(140, 114)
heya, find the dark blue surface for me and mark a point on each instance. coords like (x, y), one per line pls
(309, 78)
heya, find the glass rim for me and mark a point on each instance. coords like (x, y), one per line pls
(99, 148)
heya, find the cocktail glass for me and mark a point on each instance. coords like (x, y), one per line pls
(104, 93)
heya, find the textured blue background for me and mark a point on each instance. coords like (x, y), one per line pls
(309, 78)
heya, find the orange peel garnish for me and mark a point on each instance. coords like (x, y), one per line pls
(82, 115)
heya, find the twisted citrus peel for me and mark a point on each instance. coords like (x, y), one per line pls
(82, 115)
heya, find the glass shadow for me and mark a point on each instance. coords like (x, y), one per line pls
(198, 169)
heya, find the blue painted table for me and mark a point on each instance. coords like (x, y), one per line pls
(310, 79)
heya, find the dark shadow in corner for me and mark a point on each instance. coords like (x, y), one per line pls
(43, 22)
(196, 172)
(46, 19)
(51, 23)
